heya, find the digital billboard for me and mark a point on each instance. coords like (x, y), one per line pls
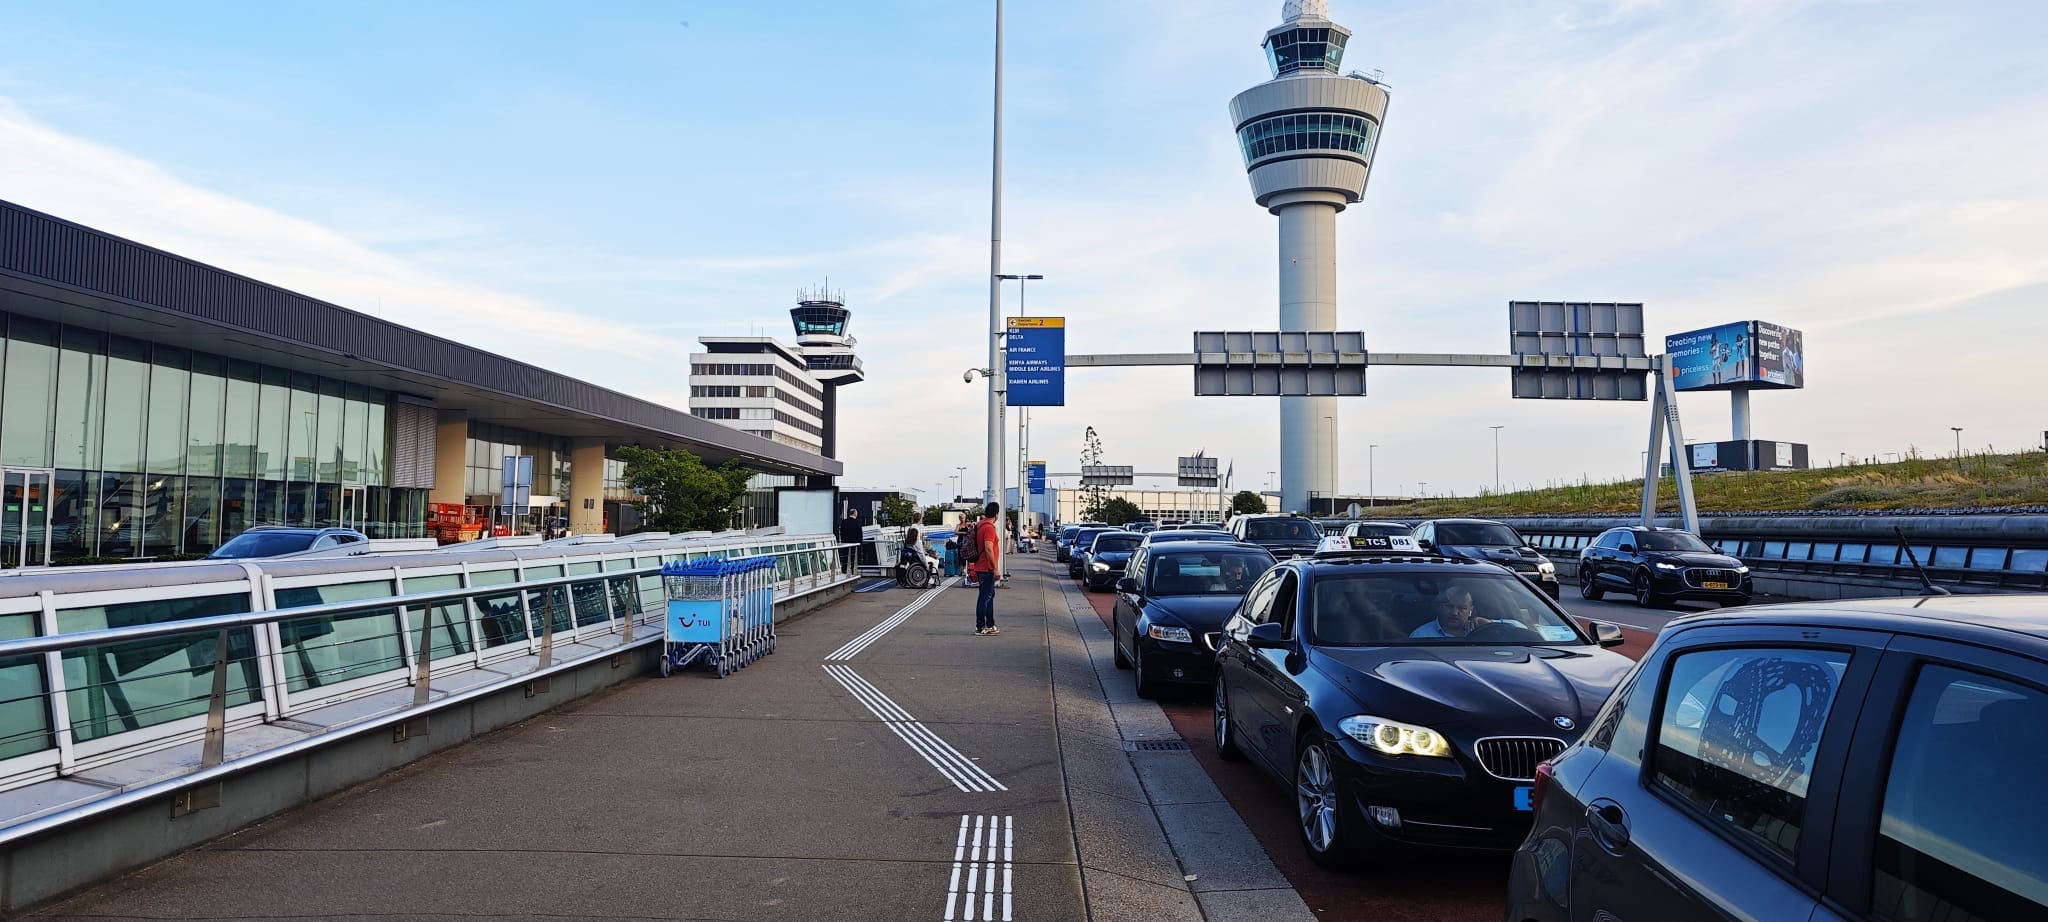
(1780, 355)
(1715, 358)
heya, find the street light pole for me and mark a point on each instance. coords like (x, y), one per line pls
(1369, 493)
(1958, 430)
(1496, 457)
(996, 334)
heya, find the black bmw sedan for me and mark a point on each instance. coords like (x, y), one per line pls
(1405, 698)
(1659, 566)
(1171, 605)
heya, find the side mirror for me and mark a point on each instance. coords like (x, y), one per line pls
(1626, 548)
(1268, 636)
(1608, 634)
(1423, 543)
(1127, 584)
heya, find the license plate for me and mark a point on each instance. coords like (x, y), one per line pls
(1714, 585)
(1522, 795)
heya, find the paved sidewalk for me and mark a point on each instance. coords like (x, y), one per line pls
(886, 763)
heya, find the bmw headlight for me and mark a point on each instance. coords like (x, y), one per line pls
(1395, 738)
(1546, 568)
(1661, 565)
(1175, 634)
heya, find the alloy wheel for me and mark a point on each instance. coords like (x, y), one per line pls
(1315, 798)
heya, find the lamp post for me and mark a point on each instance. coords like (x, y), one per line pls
(1369, 491)
(1424, 488)
(998, 337)
(959, 483)
(1496, 457)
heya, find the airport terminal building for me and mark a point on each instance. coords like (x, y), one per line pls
(154, 406)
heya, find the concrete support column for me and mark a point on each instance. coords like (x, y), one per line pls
(1738, 414)
(586, 486)
(451, 457)
(1308, 301)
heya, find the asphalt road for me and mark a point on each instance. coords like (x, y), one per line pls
(1423, 886)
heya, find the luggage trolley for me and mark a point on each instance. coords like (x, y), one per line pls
(720, 611)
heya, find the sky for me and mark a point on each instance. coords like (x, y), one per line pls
(590, 189)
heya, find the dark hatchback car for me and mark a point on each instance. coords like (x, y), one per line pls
(1171, 606)
(1284, 535)
(1492, 542)
(1659, 566)
(1063, 546)
(1102, 563)
(1864, 760)
(1406, 699)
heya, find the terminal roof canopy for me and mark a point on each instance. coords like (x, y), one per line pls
(64, 272)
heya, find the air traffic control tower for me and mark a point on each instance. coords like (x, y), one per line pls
(821, 319)
(1308, 137)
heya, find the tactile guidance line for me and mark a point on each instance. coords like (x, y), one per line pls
(875, 633)
(977, 856)
(957, 768)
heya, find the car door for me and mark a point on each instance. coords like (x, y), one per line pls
(1124, 617)
(1618, 565)
(1269, 679)
(1715, 800)
(1946, 824)
(1237, 670)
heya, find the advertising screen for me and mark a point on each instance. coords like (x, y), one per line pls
(1780, 355)
(1706, 456)
(1715, 358)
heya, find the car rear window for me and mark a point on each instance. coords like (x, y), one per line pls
(1476, 534)
(1282, 530)
(1117, 543)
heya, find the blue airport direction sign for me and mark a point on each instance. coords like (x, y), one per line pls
(1037, 363)
(1035, 478)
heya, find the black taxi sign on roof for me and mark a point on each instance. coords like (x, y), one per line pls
(1368, 544)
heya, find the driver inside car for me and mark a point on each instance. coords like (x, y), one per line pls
(1456, 617)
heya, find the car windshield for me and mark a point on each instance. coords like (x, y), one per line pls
(1477, 534)
(1375, 530)
(1282, 530)
(264, 544)
(1223, 571)
(1068, 532)
(1086, 538)
(1670, 541)
(1407, 608)
(1116, 543)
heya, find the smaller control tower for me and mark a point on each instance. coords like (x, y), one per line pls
(1308, 137)
(821, 319)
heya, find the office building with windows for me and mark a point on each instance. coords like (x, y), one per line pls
(786, 394)
(152, 406)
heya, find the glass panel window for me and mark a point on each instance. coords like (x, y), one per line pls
(269, 503)
(1775, 550)
(202, 515)
(127, 397)
(119, 522)
(163, 514)
(2029, 561)
(1960, 838)
(550, 604)
(1738, 736)
(329, 650)
(501, 618)
(237, 507)
(373, 450)
(274, 413)
(169, 388)
(1883, 554)
(1799, 550)
(24, 718)
(590, 597)
(327, 451)
(71, 515)
(301, 430)
(238, 435)
(120, 687)
(1853, 553)
(1825, 552)
(449, 633)
(208, 409)
(30, 390)
(1954, 558)
(1987, 558)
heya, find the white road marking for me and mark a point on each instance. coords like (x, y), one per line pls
(978, 856)
(869, 636)
(959, 769)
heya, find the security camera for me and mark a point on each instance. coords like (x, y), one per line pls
(967, 376)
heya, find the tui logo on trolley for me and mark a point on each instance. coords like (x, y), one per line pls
(1369, 544)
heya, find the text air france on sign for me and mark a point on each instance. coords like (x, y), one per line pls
(1037, 364)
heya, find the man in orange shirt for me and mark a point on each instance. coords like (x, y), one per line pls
(984, 570)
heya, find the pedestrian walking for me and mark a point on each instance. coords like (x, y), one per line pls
(983, 565)
(850, 533)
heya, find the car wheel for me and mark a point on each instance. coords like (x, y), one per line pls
(1319, 807)
(1589, 584)
(1144, 685)
(1226, 743)
(1645, 596)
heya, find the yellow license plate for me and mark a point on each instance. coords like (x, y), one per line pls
(1714, 585)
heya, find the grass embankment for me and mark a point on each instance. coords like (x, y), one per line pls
(1920, 483)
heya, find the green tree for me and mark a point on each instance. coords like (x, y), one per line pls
(935, 515)
(1247, 503)
(897, 509)
(680, 492)
(1093, 495)
(1120, 511)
